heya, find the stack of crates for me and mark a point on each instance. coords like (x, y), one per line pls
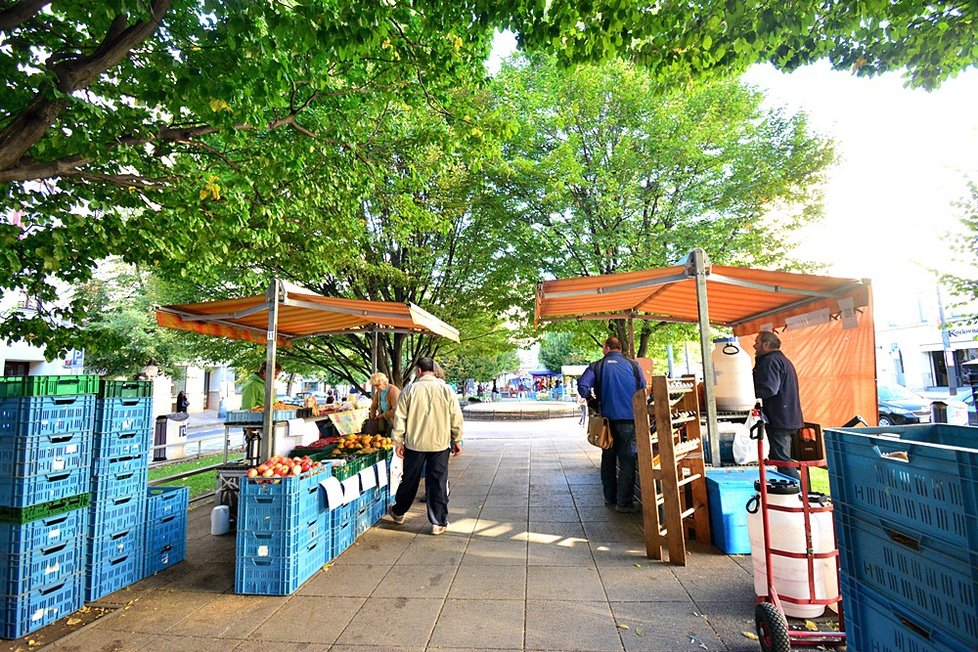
(282, 538)
(906, 518)
(166, 528)
(115, 546)
(347, 522)
(45, 458)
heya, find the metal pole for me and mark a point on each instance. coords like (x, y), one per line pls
(631, 338)
(271, 339)
(699, 266)
(373, 353)
(669, 360)
(950, 366)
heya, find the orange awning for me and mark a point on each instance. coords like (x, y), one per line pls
(740, 298)
(301, 313)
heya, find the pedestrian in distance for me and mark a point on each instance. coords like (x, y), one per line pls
(183, 403)
(608, 385)
(776, 384)
(427, 431)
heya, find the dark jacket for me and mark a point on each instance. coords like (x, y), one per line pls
(617, 385)
(776, 383)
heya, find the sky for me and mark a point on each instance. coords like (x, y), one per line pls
(903, 157)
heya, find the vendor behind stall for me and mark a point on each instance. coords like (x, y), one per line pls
(253, 388)
(383, 403)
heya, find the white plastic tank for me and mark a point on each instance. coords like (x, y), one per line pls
(220, 520)
(823, 525)
(787, 533)
(733, 377)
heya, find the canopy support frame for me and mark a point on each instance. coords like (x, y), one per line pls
(698, 266)
(265, 448)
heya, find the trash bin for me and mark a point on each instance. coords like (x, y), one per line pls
(171, 431)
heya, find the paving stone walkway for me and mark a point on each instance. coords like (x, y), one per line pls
(533, 560)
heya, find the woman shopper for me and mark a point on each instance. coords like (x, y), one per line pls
(383, 403)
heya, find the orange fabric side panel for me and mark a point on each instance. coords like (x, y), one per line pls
(169, 320)
(836, 369)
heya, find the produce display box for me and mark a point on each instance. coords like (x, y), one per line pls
(342, 536)
(18, 386)
(113, 573)
(125, 389)
(110, 445)
(916, 477)
(123, 414)
(912, 570)
(106, 547)
(21, 573)
(46, 415)
(119, 514)
(46, 453)
(28, 612)
(166, 542)
(874, 623)
(247, 416)
(299, 451)
(160, 559)
(115, 478)
(279, 503)
(164, 501)
(281, 543)
(36, 490)
(19, 538)
(24, 515)
(280, 575)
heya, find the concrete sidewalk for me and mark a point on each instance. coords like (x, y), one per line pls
(533, 560)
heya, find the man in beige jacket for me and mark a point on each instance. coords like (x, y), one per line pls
(427, 430)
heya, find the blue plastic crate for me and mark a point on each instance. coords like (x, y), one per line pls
(112, 574)
(112, 445)
(913, 570)
(921, 477)
(123, 414)
(279, 503)
(46, 415)
(343, 514)
(120, 477)
(875, 624)
(342, 535)
(28, 612)
(280, 575)
(159, 559)
(116, 515)
(37, 489)
(728, 491)
(164, 501)
(41, 566)
(16, 539)
(42, 454)
(166, 531)
(281, 543)
(105, 548)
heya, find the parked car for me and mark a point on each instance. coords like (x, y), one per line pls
(300, 397)
(899, 406)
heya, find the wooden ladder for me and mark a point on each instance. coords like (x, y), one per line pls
(671, 468)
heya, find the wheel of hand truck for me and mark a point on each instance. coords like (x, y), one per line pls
(772, 628)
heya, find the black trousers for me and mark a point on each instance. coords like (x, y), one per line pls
(435, 467)
(780, 440)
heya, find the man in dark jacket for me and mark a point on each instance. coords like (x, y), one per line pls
(776, 384)
(611, 382)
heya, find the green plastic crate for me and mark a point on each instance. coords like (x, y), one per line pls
(125, 388)
(18, 386)
(21, 515)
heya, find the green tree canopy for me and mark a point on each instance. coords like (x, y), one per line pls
(964, 248)
(611, 171)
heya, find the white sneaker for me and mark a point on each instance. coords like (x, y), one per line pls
(439, 529)
(394, 517)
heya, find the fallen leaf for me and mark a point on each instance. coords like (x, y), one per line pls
(638, 632)
(73, 621)
(622, 626)
(637, 565)
(810, 626)
(751, 635)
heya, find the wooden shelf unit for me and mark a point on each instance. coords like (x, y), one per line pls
(671, 467)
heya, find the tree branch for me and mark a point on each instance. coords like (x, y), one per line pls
(19, 13)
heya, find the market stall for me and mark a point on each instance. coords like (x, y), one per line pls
(287, 313)
(825, 323)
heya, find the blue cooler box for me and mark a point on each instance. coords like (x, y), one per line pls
(728, 491)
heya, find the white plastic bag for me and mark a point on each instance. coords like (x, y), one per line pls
(745, 448)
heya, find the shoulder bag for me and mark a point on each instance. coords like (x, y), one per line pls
(598, 428)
